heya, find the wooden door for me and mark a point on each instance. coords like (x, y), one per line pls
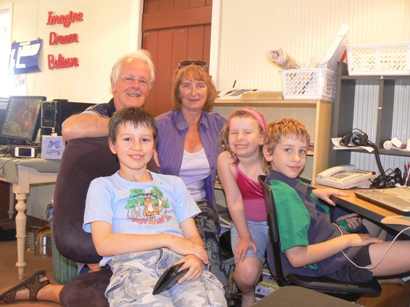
(173, 31)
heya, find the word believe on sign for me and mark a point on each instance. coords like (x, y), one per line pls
(60, 61)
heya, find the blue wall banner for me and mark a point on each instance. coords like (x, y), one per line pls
(24, 57)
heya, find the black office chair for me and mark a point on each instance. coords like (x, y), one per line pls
(347, 291)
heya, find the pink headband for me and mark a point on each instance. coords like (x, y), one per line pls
(256, 115)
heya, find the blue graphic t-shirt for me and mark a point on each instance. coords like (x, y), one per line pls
(132, 207)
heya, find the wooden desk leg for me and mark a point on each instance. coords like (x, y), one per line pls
(21, 221)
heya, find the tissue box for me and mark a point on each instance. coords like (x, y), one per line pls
(52, 147)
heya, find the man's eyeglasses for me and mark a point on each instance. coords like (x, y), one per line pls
(143, 82)
(187, 63)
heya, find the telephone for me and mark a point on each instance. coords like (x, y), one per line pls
(345, 177)
(233, 93)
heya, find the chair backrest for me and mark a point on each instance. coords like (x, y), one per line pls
(273, 230)
(344, 290)
(83, 160)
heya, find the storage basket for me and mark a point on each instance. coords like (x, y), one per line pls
(387, 59)
(313, 83)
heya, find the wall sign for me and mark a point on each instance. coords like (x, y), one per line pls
(24, 57)
(60, 61)
(65, 20)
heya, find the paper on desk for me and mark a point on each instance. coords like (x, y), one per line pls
(397, 220)
(337, 146)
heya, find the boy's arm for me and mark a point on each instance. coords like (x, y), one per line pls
(235, 205)
(108, 243)
(351, 222)
(299, 256)
(84, 125)
(325, 193)
(191, 232)
(191, 260)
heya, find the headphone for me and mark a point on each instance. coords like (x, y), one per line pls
(358, 138)
(390, 180)
(355, 138)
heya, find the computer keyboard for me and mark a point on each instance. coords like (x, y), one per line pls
(403, 193)
(396, 199)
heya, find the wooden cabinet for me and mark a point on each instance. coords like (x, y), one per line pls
(381, 123)
(315, 114)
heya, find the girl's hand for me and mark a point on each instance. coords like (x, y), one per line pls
(325, 193)
(195, 266)
(184, 246)
(242, 248)
(352, 220)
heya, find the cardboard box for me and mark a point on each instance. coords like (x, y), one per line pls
(52, 147)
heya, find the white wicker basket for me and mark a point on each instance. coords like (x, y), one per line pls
(313, 83)
(385, 59)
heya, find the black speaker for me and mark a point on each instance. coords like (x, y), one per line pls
(48, 114)
(57, 111)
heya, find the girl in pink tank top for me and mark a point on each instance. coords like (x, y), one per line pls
(238, 169)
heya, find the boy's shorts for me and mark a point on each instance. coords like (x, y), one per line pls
(135, 275)
(260, 236)
(350, 273)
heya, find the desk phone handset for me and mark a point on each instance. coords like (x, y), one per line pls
(345, 177)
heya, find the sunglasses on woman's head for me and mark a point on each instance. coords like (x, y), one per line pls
(187, 63)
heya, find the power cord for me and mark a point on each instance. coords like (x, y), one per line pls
(384, 254)
(383, 181)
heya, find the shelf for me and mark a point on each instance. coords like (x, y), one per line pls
(344, 75)
(382, 151)
(314, 114)
(267, 103)
(344, 112)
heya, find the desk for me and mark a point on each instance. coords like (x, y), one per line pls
(365, 209)
(22, 173)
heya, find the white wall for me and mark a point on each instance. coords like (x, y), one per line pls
(247, 30)
(110, 29)
(250, 28)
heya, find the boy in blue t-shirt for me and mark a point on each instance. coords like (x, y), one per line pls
(142, 223)
(312, 245)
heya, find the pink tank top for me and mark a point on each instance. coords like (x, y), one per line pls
(252, 195)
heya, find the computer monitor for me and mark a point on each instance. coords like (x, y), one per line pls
(22, 120)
